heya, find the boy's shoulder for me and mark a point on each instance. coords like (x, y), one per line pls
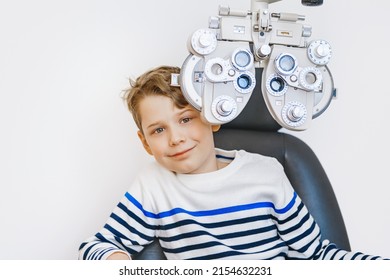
(246, 156)
(153, 169)
(152, 177)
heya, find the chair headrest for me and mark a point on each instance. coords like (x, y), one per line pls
(255, 115)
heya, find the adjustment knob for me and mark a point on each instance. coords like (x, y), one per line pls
(322, 50)
(264, 51)
(224, 107)
(203, 42)
(319, 52)
(295, 113)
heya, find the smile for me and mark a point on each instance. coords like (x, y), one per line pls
(181, 153)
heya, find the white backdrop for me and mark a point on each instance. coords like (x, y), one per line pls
(68, 146)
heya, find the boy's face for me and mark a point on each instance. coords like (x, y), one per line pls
(177, 138)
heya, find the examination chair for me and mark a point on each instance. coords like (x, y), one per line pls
(254, 130)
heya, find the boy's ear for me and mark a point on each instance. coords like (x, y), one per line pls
(215, 128)
(144, 142)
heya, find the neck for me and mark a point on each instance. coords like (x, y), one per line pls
(221, 164)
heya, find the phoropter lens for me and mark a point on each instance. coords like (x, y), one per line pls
(244, 81)
(242, 59)
(285, 64)
(277, 84)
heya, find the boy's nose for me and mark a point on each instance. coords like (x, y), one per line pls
(176, 137)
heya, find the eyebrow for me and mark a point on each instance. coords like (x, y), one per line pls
(157, 123)
(185, 111)
(180, 113)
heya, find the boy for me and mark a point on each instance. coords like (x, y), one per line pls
(199, 201)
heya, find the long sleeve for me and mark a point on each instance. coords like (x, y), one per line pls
(127, 230)
(302, 235)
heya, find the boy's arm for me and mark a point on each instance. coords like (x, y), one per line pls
(301, 233)
(125, 233)
(102, 249)
(119, 256)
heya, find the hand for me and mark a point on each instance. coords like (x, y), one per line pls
(118, 256)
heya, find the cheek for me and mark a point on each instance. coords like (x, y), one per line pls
(156, 144)
(201, 131)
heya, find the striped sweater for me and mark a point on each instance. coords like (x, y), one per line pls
(246, 210)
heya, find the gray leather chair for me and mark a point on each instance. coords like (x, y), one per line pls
(254, 130)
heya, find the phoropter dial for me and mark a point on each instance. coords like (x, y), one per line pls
(275, 85)
(310, 78)
(224, 108)
(294, 114)
(203, 42)
(319, 52)
(217, 69)
(245, 82)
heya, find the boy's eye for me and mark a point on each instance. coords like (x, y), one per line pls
(158, 130)
(185, 120)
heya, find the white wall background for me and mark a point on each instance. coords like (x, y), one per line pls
(68, 146)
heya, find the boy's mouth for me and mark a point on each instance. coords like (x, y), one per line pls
(183, 152)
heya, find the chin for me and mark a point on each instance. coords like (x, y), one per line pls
(184, 170)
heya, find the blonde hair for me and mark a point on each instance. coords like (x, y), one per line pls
(156, 81)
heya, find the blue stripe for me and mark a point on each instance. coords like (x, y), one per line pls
(233, 248)
(224, 157)
(255, 255)
(100, 255)
(303, 221)
(213, 212)
(229, 235)
(227, 223)
(134, 217)
(103, 239)
(291, 217)
(355, 255)
(306, 233)
(128, 227)
(92, 257)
